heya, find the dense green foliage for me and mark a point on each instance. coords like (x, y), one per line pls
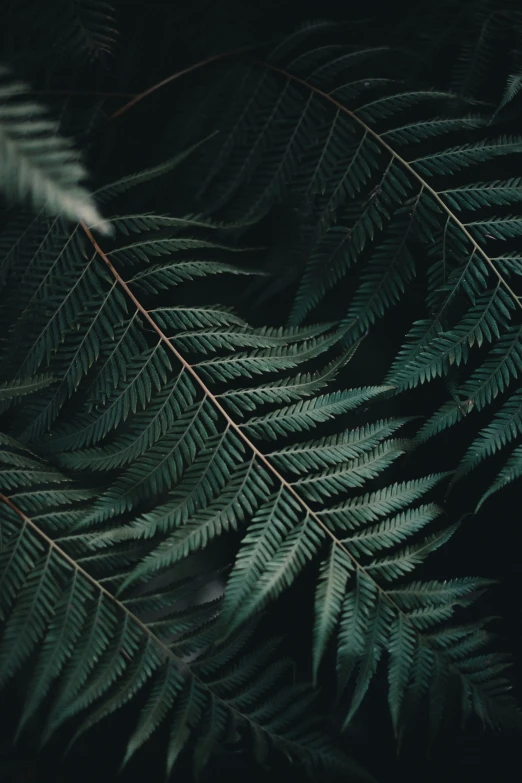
(142, 420)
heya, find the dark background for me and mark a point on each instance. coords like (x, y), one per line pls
(155, 40)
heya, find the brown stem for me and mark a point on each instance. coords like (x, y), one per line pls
(178, 74)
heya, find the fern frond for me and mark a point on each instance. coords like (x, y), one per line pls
(164, 402)
(85, 28)
(505, 426)
(433, 355)
(477, 50)
(97, 653)
(36, 164)
(382, 176)
(331, 173)
(502, 365)
(10, 390)
(511, 471)
(513, 86)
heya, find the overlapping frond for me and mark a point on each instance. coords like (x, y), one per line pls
(364, 181)
(357, 602)
(385, 180)
(187, 422)
(95, 653)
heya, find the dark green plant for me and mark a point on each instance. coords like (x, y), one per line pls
(158, 423)
(386, 181)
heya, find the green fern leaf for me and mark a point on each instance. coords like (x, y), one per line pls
(98, 653)
(10, 390)
(36, 164)
(85, 29)
(373, 167)
(512, 88)
(331, 588)
(511, 471)
(163, 404)
(505, 426)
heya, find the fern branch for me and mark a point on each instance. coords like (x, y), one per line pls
(408, 166)
(239, 431)
(306, 537)
(209, 681)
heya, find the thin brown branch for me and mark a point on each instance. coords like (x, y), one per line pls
(184, 72)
